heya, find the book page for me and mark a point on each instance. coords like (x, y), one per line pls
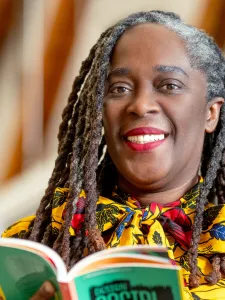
(106, 261)
(93, 262)
(22, 273)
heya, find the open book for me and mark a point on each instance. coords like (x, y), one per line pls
(123, 273)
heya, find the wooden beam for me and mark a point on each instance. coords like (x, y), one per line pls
(58, 50)
(213, 20)
(7, 17)
(15, 166)
(10, 16)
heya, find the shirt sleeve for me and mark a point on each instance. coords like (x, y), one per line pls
(19, 228)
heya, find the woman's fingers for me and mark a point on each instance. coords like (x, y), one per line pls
(45, 292)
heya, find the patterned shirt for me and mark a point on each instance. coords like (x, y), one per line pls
(123, 221)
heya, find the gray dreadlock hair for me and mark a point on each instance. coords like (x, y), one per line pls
(81, 145)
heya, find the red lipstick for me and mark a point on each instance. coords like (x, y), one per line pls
(144, 131)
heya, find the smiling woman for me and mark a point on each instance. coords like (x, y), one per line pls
(154, 87)
(158, 97)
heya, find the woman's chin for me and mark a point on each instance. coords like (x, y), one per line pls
(146, 182)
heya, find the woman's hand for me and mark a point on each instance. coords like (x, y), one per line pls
(46, 292)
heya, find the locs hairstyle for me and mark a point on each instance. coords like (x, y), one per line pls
(82, 163)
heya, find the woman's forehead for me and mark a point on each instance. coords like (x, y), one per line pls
(150, 31)
(146, 50)
(146, 43)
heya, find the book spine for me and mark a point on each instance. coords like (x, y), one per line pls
(68, 291)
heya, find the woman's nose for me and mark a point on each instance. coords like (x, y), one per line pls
(144, 102)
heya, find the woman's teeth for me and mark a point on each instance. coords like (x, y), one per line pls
(147, 138)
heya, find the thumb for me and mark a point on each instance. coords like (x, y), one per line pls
(45, 292)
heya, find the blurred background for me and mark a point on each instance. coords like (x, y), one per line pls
(42, 44)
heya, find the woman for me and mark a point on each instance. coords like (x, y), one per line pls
(156, 85)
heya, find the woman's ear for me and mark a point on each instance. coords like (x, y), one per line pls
(213, 113)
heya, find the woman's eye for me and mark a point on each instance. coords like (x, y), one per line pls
(170, 87)
(119, 90)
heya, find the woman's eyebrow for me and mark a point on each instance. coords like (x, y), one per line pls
(158, 68)
(119, 71)
(169, 69)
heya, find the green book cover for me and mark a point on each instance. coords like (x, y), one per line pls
(22, 273)
(129, 282)
(136, 273)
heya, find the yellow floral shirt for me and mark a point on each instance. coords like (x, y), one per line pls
(123, 221)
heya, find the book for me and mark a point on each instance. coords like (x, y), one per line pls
(139, 272)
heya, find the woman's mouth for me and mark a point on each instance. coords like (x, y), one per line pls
(144, 138)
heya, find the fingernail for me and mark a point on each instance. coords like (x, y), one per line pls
(47, 287)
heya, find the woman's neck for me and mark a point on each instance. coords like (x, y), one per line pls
(162, 197)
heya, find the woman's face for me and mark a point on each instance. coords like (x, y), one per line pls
(155, 109)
